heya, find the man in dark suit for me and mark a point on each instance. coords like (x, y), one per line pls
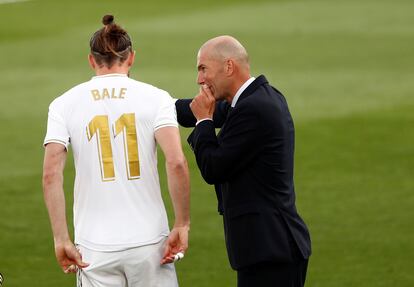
(250, 162)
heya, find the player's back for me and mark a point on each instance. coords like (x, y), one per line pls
(110, 121)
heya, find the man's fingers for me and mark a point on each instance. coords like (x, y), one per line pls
(202, 106)
(209, 98)
(167, 260)
(172, 258)
(204, 99)
(195, 103)
(69, 258)
(80, 263)
(77, 258)
(167, 250)
(168, 256)
(70, 269)
(207, 92)
(72, 266)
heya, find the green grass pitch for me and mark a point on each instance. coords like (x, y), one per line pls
(345, 67)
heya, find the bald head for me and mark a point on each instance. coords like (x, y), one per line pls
(223, 66)
(226, 47)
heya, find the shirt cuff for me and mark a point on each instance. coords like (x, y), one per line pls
(202, 120)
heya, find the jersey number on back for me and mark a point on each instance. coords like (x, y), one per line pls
(99, 125)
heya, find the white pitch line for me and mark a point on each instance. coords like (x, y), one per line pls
(12, 1)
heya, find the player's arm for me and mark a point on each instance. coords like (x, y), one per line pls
(54, 163)
(179, 187)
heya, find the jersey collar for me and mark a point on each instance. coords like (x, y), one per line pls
(110, 75)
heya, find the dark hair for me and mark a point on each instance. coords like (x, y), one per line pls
(110, 43)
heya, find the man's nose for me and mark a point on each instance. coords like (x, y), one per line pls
(200, 79)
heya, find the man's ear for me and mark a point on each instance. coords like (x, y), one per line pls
(92, 62)
(131, 58)
(229, 67)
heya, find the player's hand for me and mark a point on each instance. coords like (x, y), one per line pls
(69, 257)
(177, 242)
(203, 104)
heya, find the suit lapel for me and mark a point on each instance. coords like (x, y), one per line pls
(229, 112)
(252, 87)
(247, 92)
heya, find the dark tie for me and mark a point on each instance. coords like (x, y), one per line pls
(230, 110)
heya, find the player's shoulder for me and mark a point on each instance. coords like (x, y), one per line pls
(68, 96)
(149, 88)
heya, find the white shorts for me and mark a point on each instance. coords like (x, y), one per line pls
(135, 267)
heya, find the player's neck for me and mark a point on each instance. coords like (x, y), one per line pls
(113, 70)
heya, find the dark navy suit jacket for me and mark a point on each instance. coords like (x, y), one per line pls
(250, 162)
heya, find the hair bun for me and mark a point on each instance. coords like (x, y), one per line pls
(108, 19)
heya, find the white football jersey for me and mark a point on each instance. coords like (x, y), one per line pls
(110, 122)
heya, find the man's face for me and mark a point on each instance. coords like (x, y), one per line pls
(211, 73)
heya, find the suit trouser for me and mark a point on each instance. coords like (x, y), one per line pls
(271, 274)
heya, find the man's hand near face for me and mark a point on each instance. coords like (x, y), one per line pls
(203, 104)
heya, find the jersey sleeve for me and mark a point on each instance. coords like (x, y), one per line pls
(57, 131)
(166, 115)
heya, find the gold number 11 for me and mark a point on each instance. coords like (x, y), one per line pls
(99, 125)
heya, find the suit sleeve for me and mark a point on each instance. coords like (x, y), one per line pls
(186, 118)
(220, 160)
